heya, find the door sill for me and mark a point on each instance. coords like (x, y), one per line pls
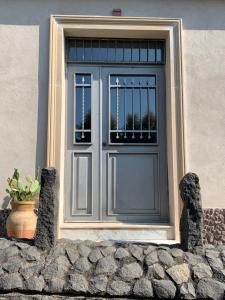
(113, 225)
(154, 233)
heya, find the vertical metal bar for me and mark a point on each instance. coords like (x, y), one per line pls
(83, 50)
(149, 120)
(147, 50)
(123, 52)
(82, 134)
(117, 107)
(75, 49)
(132, 82)
(139, 52)
(91, 52)
(125, 121)
(141, 136)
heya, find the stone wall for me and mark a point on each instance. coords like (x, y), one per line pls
(106, 269)
(214, 226)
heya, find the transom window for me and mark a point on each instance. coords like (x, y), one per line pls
(115, 51)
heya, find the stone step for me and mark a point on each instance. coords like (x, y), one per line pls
(141, 233)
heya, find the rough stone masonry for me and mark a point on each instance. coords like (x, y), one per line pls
(191, 222)
(106, 269)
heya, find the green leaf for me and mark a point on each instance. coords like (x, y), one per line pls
(13, 184)
(34, 186)
(16, 174)
(29, 179)
(20, 185)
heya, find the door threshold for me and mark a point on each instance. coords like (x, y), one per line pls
(113, 225)
(120, 232)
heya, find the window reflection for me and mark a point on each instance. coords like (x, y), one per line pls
(82, 108)
(133, 109)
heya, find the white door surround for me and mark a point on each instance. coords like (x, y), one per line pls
(119, 27)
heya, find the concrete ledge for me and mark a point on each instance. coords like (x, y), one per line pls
(106, 269)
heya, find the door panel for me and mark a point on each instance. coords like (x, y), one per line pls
(129, 176)
(82, 184)
(134, 186)
(82, 177)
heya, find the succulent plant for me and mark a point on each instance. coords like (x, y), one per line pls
(22, 192)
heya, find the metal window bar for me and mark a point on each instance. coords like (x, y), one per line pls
(125, 121)
(141, 136)
(149, 120)
(134, 131)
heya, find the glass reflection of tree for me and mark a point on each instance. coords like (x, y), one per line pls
(148, 120)
(87, 121)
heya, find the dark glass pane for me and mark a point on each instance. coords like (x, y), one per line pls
(153, 121)
(151, 81)
(84, 137)
(129, 138)
(135, 51)
(144, 109)
(79, 108)
(159, 52)
(80, 50)
(83, 78)
(103, 50)
(151, 52)
(129, 119)
(143, 51)
(83, 117)
(119, 51)
(83, 102)
(121, 109)
(113, 79)
(113, 109)
(95, 50)
(112, 51)
(71, 50)
(87, 108)
(136, 109)
(127, 51)
(87, 50)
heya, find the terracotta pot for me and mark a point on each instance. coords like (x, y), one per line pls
(22, 221)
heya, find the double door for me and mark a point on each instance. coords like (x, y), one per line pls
(116, 168)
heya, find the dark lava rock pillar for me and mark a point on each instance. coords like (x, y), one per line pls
(47, 211)
(191, 223)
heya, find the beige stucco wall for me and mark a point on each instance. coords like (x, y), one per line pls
(24, 40)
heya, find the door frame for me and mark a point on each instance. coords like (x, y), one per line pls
(62, 26)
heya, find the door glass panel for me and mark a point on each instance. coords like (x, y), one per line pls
(133, 111)
(82, 108)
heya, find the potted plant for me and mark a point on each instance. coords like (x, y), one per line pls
(21, 223)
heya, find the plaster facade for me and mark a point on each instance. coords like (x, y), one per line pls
(24, 49)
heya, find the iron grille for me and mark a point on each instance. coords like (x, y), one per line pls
(115, 51)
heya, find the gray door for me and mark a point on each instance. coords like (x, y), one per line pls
(116, 167)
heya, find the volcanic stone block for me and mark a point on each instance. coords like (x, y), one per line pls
(4, 213)
(47, 211)
(191, 223)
